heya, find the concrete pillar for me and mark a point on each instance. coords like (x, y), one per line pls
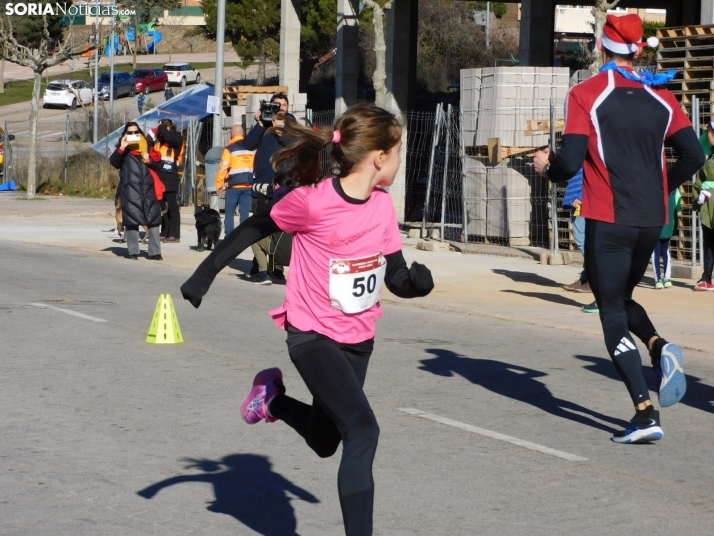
(707, 12)
(402, 27)
(347, 55)
(290, 45)
(537, 27)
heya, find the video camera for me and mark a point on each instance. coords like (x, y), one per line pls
(268, 111)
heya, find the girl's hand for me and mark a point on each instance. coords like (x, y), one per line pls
(124, 143)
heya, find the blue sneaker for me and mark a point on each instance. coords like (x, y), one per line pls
(641, 430)
(673, 382)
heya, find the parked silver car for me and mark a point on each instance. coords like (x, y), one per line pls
(124, 85)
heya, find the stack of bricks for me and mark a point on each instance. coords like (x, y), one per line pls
(499, 102)
(513, 105)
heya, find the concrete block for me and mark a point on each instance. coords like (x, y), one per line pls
(686, 271)
(523, 241)
(553, 259)
(414, 233)
(433, 246)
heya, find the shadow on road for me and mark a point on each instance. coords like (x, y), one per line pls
(699, 395)
(528, 277)
(241, 265)
(516, 382)
(545, 296)
(247, 489)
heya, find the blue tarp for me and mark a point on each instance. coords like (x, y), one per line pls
(9, 186)
(190, 103)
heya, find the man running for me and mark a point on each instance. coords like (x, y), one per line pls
(617, 123)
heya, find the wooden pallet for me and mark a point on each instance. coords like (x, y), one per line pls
(497, 153)
(690, 51)
(685, 32)
(238, 95)
(542, 126)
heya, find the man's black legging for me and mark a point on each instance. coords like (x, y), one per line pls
(335, 373)
(616, 257)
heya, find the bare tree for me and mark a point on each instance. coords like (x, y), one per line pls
(380, 48)
(38, 59)
(173, 23)
(600, 14)
(2, 71)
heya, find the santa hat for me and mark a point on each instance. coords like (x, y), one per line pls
(623, 35)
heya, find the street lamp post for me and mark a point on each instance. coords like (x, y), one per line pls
(218, 86)
(111, 75)
(95, 126)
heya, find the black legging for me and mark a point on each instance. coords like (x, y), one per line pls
(171, 221)
(335, 373)
(616, 257)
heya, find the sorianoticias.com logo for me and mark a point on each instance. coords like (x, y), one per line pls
(87, 10)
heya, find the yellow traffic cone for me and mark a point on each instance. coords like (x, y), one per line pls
(164, 326)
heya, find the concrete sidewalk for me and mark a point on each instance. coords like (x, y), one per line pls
(514, 289)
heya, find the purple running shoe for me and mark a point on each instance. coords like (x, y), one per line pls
(266, 385)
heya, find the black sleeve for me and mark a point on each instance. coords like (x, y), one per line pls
(156, 166)
(691, 157)
(566, 162)
(252, 140)
(249, 232)
(173, 139)
(117, 158)
(414, 282)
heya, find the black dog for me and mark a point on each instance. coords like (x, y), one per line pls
(208, 225)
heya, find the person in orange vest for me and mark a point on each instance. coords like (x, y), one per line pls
(168, 143)
(235, 177)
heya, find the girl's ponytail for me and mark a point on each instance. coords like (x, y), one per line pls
(361, 130)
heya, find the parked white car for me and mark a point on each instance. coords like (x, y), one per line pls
(180, 71)
(68, 93)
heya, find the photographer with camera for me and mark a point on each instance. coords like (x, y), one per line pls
(267, 143)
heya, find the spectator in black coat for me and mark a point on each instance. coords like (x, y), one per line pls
(168, 143)
(139, 203)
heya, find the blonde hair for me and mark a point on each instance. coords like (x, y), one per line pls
(361, 130)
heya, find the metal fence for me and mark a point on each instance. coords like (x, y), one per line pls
(482, 189)
(469, 188)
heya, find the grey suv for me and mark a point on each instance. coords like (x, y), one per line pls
(123, 85)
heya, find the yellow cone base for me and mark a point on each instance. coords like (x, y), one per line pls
(164, 326)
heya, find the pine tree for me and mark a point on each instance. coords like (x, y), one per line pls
(254, 27)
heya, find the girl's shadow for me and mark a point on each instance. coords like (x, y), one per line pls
(247, 489)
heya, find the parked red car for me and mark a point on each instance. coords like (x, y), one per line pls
(150, 79)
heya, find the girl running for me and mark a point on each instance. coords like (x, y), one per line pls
(346, 245)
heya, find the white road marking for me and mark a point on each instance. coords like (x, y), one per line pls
(73, 313)
(495, 435)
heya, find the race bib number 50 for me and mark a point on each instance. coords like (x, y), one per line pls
(355, 284)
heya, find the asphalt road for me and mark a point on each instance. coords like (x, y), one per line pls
(102, 433)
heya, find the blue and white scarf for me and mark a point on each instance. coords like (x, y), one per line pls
(648, 78)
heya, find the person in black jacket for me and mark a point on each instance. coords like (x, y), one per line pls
(616, 126)
(168, 142)
(139, 203)
(267, 143)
